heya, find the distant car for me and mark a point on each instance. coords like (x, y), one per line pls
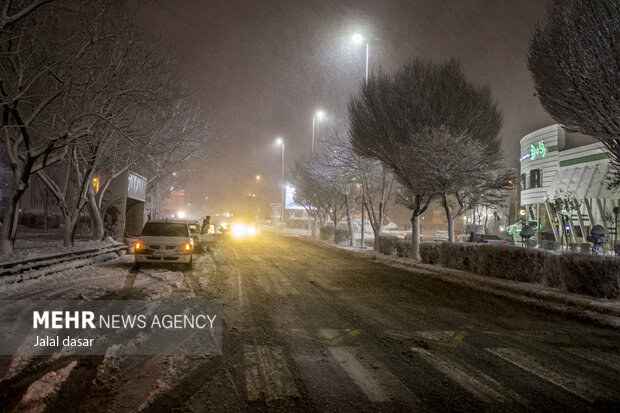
(407, 235)
(165, 242)
(441, 236)
(489, 239)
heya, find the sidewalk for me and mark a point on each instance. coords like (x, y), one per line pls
(599, 310)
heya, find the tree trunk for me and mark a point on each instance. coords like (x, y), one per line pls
(9, 220)
(449, 217)
(95, 214)
(67, 231)
(378, 227)
(415, 236)
(349, 223)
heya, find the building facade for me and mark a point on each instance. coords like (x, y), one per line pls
(564, 191)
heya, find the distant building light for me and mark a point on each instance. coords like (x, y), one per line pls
(524, 157)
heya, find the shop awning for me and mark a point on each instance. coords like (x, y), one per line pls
(588, 181)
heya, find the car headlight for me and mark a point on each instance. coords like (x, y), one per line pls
(187, 247)
(238, 230)
(250, 230)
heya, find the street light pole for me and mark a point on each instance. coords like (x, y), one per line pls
(367, 49)
(357, 38)
(319, 114)
(280, 141)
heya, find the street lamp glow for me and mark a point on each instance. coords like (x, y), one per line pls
(318, 115)
(280, 142)
(358, 38)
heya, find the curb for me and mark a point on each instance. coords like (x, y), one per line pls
(601, 311)
(18, 267)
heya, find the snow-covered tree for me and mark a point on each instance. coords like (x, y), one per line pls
(573, 59)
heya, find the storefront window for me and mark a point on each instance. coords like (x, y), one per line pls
(523, 186)
(535, 178)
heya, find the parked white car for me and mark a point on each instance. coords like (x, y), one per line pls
(165, 242)
(441, 236)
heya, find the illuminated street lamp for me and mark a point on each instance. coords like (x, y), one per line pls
(359, 39)
(319, 115)
(280, 142)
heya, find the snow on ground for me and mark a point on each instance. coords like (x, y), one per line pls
(86, 283)
(35, 397)
(27, 249)
(158, 283)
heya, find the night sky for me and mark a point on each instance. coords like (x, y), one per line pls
(263, 67)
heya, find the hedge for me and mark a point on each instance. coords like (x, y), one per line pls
(584, 274)
(327, 232)
(341, 235)
(578, 273)
(403, 248)
(38, 220)
(387, 244)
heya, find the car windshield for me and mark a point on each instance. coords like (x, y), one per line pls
(164, 229)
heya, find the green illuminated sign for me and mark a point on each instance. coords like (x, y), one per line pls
(540, 150)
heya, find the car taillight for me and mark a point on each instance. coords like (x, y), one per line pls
(488, 243)
(188, 247)
(504, 243)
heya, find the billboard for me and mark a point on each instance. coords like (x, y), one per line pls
(289, 199)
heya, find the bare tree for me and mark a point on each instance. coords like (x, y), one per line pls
(574, 60)
(379, 187)
(380, 117)
(12, 11)
(310, 189)
(463, 170)
(144, 119)
(38, 88)
(373, 178)
(341, 172)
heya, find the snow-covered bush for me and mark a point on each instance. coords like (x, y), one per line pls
(341, 235)
(577, 273)
(403, 248)
(429, 252)
(387, 244)
(584, 274)
(327, 232)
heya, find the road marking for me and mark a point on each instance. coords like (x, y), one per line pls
(471, 379)
(377, 383)
(235, 251)
(571, 383)
(267, 375)
(609, 360)
(336, 336)
(443, 338)
(241, 296)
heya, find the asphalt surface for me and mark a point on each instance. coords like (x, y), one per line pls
(308, 327)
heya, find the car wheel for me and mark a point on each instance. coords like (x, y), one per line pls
(189, 265)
